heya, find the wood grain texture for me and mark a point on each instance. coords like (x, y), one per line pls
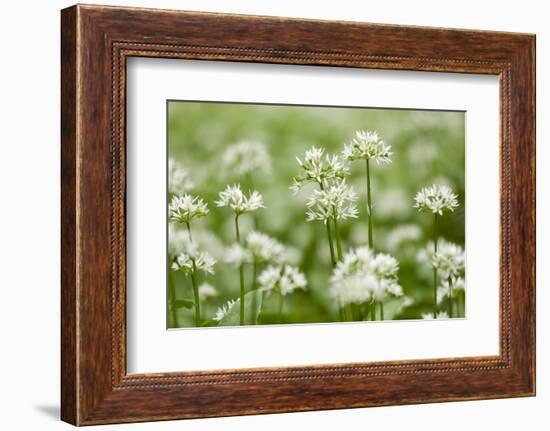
(69, 370)
(96, 41)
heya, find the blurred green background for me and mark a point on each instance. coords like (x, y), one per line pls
(428, 147)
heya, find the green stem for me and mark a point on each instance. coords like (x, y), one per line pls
(349, 312)
(450, 305)
(373, 310)
(251, 187)
(237, 232)
(337, 234)
(196, 295)
(241, 275)
(365, 311)
(241, 295)
(253, 315)
(435, 269)
(197, 304)
(172, 293)
(329, 235)
(189, 231)
(381, 310)
(369, 205)
(355, 311)
(280, 308)
(344, 313)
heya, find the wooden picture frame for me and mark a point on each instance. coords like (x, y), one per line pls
(96, 41)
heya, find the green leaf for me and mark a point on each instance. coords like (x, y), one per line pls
(252, 308)
(206, 323)
(186, 303)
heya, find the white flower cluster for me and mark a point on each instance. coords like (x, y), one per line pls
(192, 260)
(367, 145)
(319, 169)
(234, 198)
(283, 279)
(182, 209)
(258, 248)
(179, 181)
(246, 157)
(264, 249)
(450, 264)
(439, 315)
(364, 276)
(222, 311)
(436, 199)
(207, 291)
(336, 202)
(449, 260)
(453, 286)
(237, 255)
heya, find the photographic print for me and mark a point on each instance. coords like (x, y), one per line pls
(287, 214)
(251, 193)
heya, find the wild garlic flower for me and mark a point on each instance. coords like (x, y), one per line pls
(364, 276)
(246, 157)
(207, 291)
(237, 255)
(439, 315)
(283, 279)
(449, 260)
(258, 248)
(179, 180)
(455, 285)
(183, 209)
(234, 198)
(436, 199)
(385, 266)
(319, 169)
(268, 277)
(224, 310)
(192, 261)
(183, 262)
(367, 145)
(264, 249)
(336, 202)
(353, 288)
(389, 287)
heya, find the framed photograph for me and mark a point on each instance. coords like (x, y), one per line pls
(300, 212)
(322, 214)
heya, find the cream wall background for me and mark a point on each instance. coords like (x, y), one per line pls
(29, 215)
